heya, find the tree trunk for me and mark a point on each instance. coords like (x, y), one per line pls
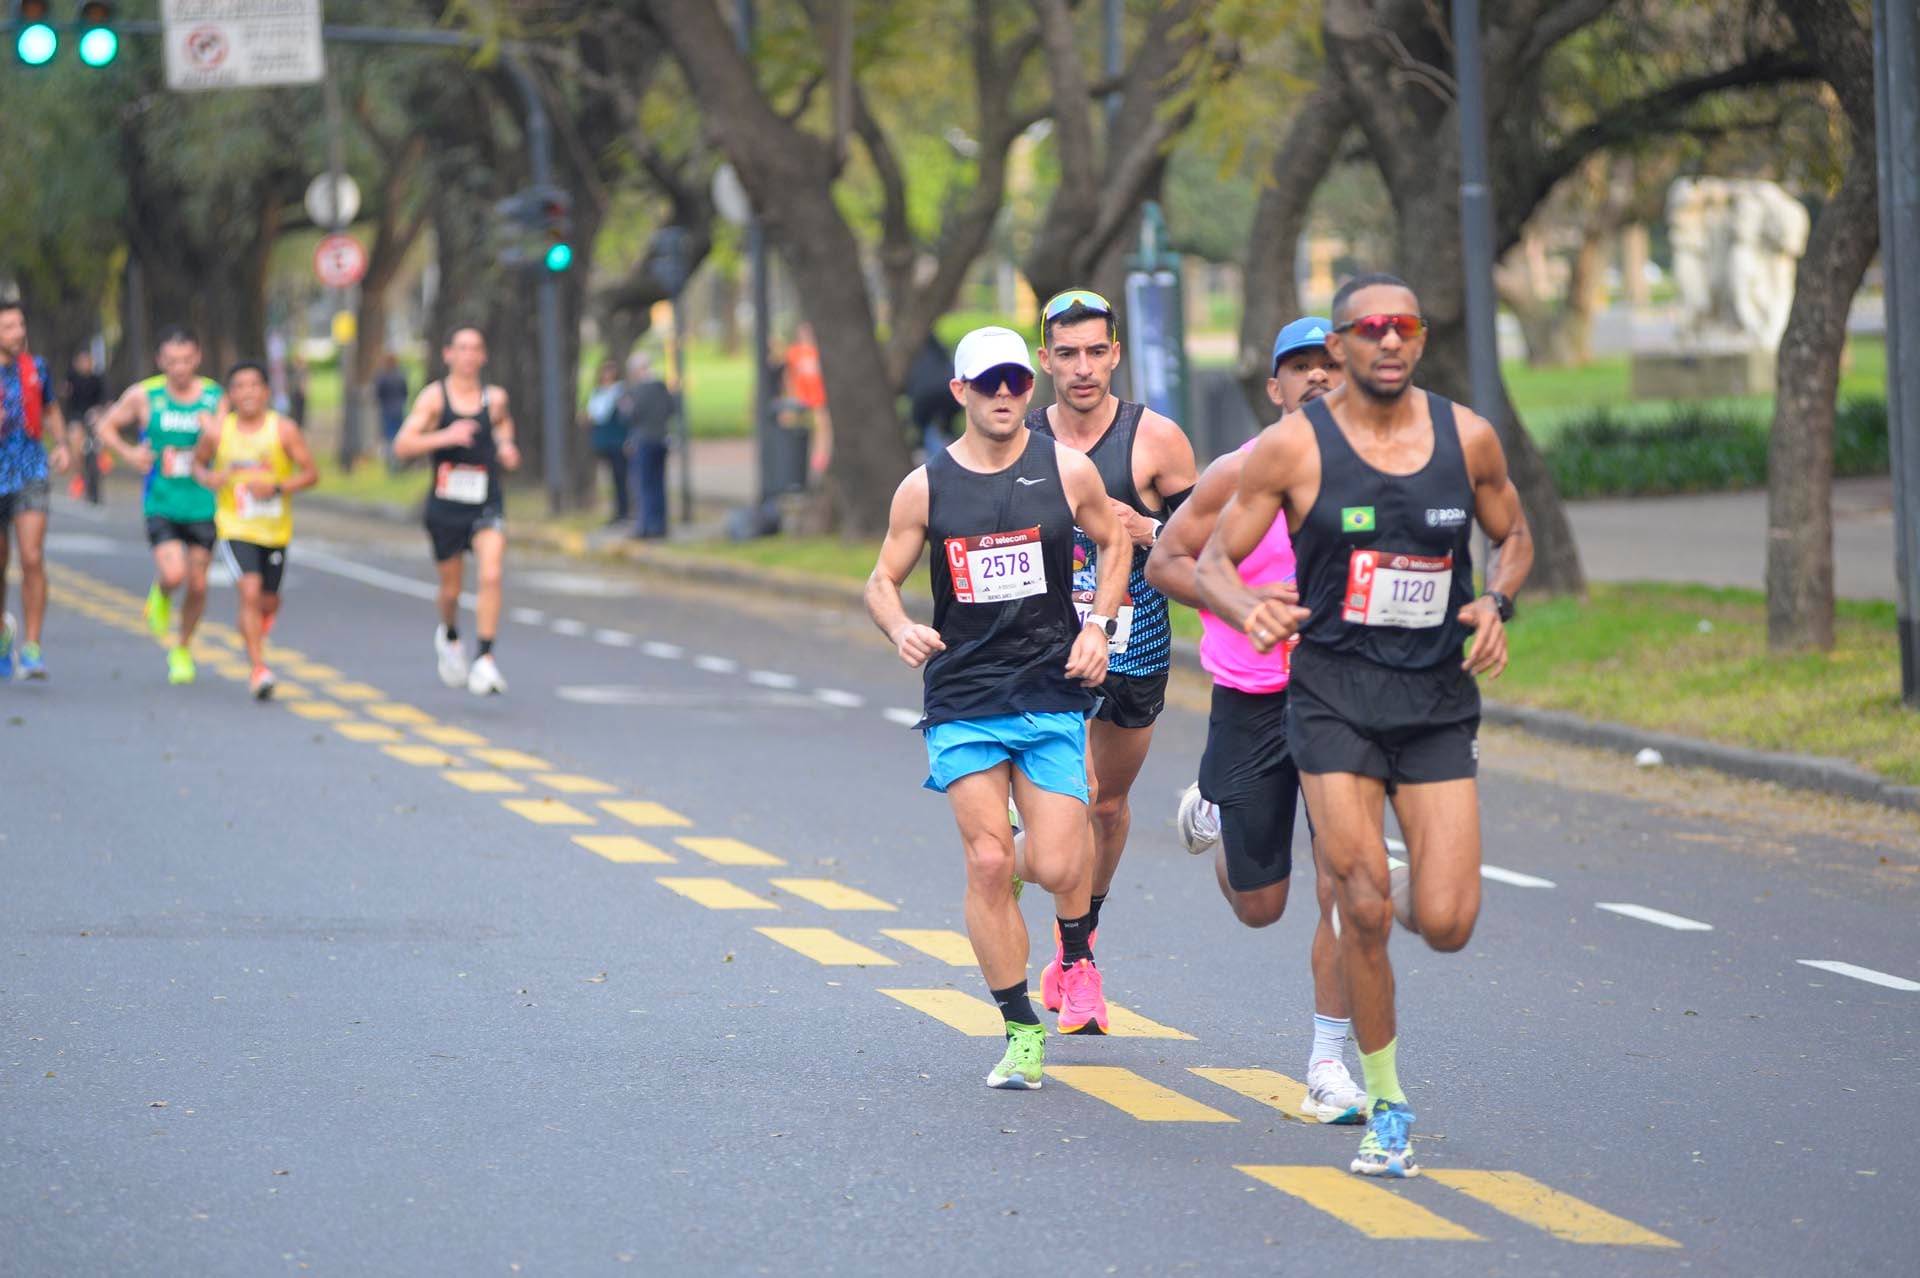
(1272, 297)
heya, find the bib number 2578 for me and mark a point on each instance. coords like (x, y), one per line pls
(996, 567)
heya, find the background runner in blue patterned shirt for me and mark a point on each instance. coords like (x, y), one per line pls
(1147, 465)
(25, 491)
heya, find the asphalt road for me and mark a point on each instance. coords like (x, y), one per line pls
(384, 978)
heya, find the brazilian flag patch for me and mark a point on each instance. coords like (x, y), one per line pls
(1356, 519)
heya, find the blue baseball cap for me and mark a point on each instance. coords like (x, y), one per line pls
(1307, 331)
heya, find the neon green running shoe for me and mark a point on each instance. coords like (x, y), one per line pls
(1019, 1070)
(159, 611)
(180, 666)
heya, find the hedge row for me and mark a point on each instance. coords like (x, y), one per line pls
(1698, 450)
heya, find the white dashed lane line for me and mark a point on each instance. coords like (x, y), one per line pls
(716, 665)
(614, 638)
(528, 616)
(1862, 974)
(905, 718)
(568, 626)
(664, 651)
(772, 679)
(1660, 918)
(1514, 877)
(835, 697)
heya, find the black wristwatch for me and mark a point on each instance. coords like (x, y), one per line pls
(1503, 604)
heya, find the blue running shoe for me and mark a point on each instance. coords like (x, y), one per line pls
(32, 665)
(6, 645)
(1386, 1150)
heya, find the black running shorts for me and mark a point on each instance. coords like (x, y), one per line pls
(1247, 771)
(198, 532)
(1132, 701)
(1408, 727)
(251, 559)
(455, 537)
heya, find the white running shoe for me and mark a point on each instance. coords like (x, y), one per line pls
(452, 658)
(1332, 1095)
(484, 678)
(1199, 821)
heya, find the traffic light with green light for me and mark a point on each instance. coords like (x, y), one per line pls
(556, 220)
(99, 42)
(35, 40)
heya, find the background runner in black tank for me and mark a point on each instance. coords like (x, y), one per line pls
(1008, 673)
(1003, 655)
(1363, 524)
(463, 472)
(1364, 728)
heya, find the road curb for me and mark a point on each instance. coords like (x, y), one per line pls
(1814, 773)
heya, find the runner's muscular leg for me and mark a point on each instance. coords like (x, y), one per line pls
(170, 563)
(1441, 820)
(489, 565)
(1261, 907)
(1114, 756)
(250, 619)
(994, 924)
(451, 571)
(1058, 854)
(195, 602)
(30, 528)
(1329, 990)
(1348, 813)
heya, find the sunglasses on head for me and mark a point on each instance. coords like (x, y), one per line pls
(1016, 379)
(1064, 302)
(1372, 328)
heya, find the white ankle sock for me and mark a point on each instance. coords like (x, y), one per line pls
(1329, 1039)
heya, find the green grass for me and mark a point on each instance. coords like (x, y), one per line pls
(1634, 654)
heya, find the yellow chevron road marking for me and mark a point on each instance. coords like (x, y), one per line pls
(568, 783)
(951, 948)
(484, 782)
(829, 895)
(623, 848)
(826, 946)
(423, 756)
(963, 1012)
(547, 811)
(728, 851)
(367, 732)
(1136, 1095)
(717, 894)
(441, 734)
(1264, 1085)
(510, 759)
(322, 710)
(642, 812)
(1562, 1215)
(1375, 1211)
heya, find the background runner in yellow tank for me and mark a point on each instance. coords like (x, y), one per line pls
(255, 460)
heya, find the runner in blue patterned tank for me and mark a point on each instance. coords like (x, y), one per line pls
(1147, 465)
(29, 421)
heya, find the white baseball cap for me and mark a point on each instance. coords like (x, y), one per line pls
(986, 348)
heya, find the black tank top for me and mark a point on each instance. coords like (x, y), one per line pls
(457, 472)
(1150, 635)
(1002, 588)
(1386, 561)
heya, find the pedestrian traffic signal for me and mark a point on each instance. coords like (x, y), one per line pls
(99, 42)
(35, 41)
(559, 257)
(556, 223)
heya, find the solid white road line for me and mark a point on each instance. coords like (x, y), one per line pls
(772, 679)
(835, 697)
(716, 665)
(664, 651)
(528, 616)
(1513, 877)
(905, 718)
(1862, 974)
(377, 577)
(568, 626)
(614, 638)
(1659, 917)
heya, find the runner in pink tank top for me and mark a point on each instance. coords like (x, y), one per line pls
(1249, 788)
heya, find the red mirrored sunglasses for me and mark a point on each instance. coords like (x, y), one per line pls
(1372, 328)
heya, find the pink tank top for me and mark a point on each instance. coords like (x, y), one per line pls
(1230, 656)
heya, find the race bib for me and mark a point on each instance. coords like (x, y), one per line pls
(996, 567)
(1083, 606)
(466, 484)
(252, 507)
(1409, 592)
(176, 463)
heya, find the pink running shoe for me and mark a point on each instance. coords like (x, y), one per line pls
(1050, 974)
(1083, 1008)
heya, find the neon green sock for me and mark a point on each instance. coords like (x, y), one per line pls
(1382, 1075)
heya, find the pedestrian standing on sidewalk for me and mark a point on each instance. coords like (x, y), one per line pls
(390, 389)
(83, 395)
(647, 408)
(607, 434)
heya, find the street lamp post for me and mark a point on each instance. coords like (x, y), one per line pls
(1896, 59)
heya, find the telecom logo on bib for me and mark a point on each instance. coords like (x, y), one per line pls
(1356, 519)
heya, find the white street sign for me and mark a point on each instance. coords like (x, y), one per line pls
(233, 44)
(329, 208)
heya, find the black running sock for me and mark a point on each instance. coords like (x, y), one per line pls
(453, 632)
(1076, 939)
(486, 648)
(1015, 1005)
(1093, 913)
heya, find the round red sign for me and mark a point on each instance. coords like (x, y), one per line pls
(339, 261)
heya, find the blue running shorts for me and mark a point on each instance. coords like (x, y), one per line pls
(1051, 748)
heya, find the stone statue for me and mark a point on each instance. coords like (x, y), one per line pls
(1736, 243)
